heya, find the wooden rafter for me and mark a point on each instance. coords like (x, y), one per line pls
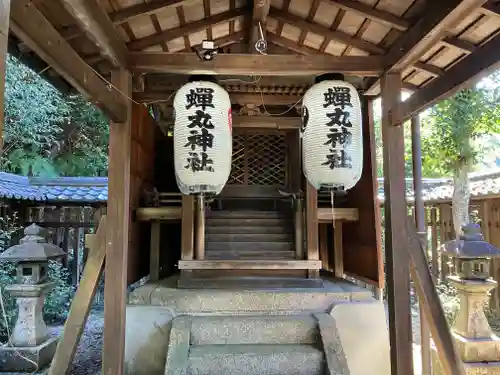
(223, 41)
(431, 69)
(429, 30)
(291, 45)
(255, 64)
(96, 24)
(491, 8)
(28, 23)
(373, 14)
(478, 64)
(310, 17)
(236, 98)
(339, 36)
(179, 32)
(459, 43)
(138, 10)
(260, 12)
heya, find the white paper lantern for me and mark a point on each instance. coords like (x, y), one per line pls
(332, 137)
(202, 137)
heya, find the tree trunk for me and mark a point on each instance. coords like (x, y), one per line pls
(461, 198)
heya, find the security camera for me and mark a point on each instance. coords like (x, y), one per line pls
(208, 50)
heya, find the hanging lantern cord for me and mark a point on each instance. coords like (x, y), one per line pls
(332, 193)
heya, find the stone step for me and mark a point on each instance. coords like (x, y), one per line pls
(246, 214)
(255, 222)
(249, 254)
(276, 229)
(249, 237)
(248, 283)
(250, 246)
(236, 330)
(256, 360)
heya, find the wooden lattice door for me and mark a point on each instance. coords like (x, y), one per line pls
(259, 164)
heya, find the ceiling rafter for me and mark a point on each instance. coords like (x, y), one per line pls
(428, 68)
(340, 36)
(97, 25)
(223, 41)
(336, 22)
(255, 64)
(291, 45)
(182, 31)
(376, 15)
(29, 24)
(427, 31)
(459, 43)
(260, 11)
(310, 17)
(471, 68)
(491, 8)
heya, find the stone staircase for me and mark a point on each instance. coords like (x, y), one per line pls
(246, 345)
(244, 235)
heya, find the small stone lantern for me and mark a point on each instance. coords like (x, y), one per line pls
(472, 254)
(477, 345)
(30, 338)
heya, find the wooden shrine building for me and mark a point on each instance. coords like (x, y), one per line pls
(130, 56)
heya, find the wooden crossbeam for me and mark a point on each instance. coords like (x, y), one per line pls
(222, 41)
(96, 24)
(236, 98)
(491, 8)
(142, 9)
(179, 32)
(471, 68)
(429, 30)
(255, 64)
(28, 23)
(461, 44)
(431, 69)
(373, 14)
(337, 35)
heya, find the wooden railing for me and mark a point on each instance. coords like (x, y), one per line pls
(430, 303)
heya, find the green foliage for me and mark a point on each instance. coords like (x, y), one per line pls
(449, 300)
(48, 133)
(453, 126)
(58, 301)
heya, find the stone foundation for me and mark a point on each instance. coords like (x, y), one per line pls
(11, 359)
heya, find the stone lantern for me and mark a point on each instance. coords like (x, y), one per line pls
(478, 347)
(29, 338)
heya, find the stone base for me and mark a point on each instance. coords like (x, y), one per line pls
(11, 358)
(471, 368)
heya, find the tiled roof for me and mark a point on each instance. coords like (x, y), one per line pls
(95, 189)
(69, 189)
(482, 184)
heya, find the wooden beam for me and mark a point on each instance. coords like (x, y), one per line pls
(291, 45)
(187, 227)
(118, 234)
(151, 40)
(326, 32)
(97, 25)
(139, 10)
(376, 15)
(4, 45)
(461, 44)
(491, 8)
(37, 32)
(397, 261)
(312, 236)
(223, 41)
(428, 68)
(82, 302)
(471, 68)
(267, 122)
(253, 64)
(236, 98)
(440, 16)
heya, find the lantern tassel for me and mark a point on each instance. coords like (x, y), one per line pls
(333, 209)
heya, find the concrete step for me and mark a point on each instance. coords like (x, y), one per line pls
(247, 229)
(250, 246)
(236, 330)
(256, 360)
(248, 283)
(250, 237)
(249, 254)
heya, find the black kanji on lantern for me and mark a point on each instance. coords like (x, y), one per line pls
(339, 118)
(342, 137)
(204, 139)
(197, 164)
(201, 119)
(200, 97)
(337, 96)
(338, 159)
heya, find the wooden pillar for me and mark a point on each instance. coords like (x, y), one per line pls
(395, 210)
(434, 244)
(338, 249)
(312, 226)
(299, 228)
(200, 228)
(154, 256)
(4, 42)
(118, 234)
(421, 223)
(187, 235)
